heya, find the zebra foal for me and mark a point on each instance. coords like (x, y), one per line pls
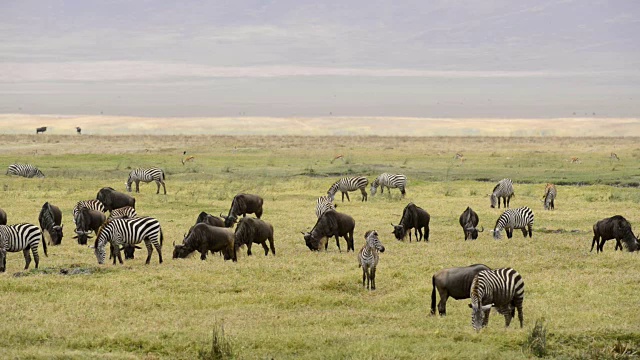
(398, 181)
(25, 237)
(24, 170)
(146, 175)
(549, 197)
(368, 258)
(499, 288)
(129, 232)
(349, 184)
(520, 218)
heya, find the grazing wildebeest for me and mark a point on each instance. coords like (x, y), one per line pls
(87, 220)
(3, 217)
(204, 238)
(112, 199)
(368, 258)
(78, 130)
(615, 227)
(413, 217)
(210, 219)
(243, 204)
(331, 223)
(453, 282)
(469, 222)
(250, 230)
(41, 130)
(50, 220)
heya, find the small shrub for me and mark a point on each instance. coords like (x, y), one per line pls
(221, 347)
(537, 341)
(473, 192)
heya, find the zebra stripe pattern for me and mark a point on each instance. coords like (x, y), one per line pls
(146, 175)
(549, 197)
(368, 258)
(20, 237)
(129, 232)
(89, 204)
(500, 288)
(345, 185)
(520, 218)
(504, 190)
(24, 170)
(123, 212)
(390, 181)
(324, 204)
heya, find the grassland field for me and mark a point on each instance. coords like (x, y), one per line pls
(311, 305)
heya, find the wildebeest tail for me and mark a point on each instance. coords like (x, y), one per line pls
(44, 244)
(433, 295)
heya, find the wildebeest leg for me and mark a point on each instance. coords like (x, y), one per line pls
(364, 194)
(249, 248)
(149, 250)
(27, 259)
(596, 241)
(273, 248)
(426, 233)
(410, 235)
(338, 244)
(265, 247)
(350, 242)
(203, 252)
(418, 231)
(618, 245)
(442, 305)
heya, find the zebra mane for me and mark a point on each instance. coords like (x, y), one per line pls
(100, 229)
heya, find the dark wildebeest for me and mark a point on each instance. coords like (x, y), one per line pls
(615, 227)
(86, 221)
(453, 282)
(250, 230)
(205, 238)
(243, 204)
(210, 219)
(50, 220)
(331, 223)
(113, 199)
(3, 217)
(469, 222)
(78, 130)
(41, 129)
(413, 217)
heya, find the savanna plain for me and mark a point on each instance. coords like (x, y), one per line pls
(304, 304)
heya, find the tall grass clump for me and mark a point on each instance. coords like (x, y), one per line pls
(221, 346)
(537, 341)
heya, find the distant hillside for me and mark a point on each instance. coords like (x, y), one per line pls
(383, 126)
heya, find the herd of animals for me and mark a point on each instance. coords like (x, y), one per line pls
(124, 230)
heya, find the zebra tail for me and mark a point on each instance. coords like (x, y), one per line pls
(161, 237)
(433, 295)
(44, 244)
(163, 177)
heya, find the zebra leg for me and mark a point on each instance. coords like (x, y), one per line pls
(164, 188)
(520, 315)
(401, 192)
(149, 251)
(158, 185)
(346, 193)
(27, 258)
(524, 232)
(364, 275)
(350, 242)
(529, 227)
(364, 194)
(373, 277)
(159, 249)
(137, 186)
(485, 322)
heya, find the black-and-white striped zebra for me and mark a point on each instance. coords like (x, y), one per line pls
(368, 258)
(347, 184)
(20, 237)
(504, 190)
(550, 193)
(89, 204)
(123, 212)
(24, 170)
(146, 175)
(324, 203)
(129, 232)
(520, 218)
(390, 181)
(500, 288)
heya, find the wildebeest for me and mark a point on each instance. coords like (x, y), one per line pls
(78, 130)
(331, 223)
(250, 230)
(453, 282)
(413, 217)
(3, 217)
(210, 219)
(204, 238)
(615, 227)
(50, 220)
(243, 204)
(113, 199)
(469, 222)
(87, 220)
(41, 129)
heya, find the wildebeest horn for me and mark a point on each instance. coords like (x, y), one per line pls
(302, 232)
(482, 227)
(174, 244)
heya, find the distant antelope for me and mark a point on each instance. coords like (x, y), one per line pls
(614, 156)
(341, 157)
(575, 160)
(188, 159)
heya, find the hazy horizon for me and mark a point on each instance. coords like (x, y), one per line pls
(467, 59)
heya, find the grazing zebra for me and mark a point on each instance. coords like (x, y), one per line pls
(520, 218)
(368, 258)
(550, 193)
(390, 181)
(323, 204)
(89, 204)
(24, 170)
(14, 238)
(129, 232)
(501, 288)
(123, 212)
(349, 184)
(146, 175)
(504, 190)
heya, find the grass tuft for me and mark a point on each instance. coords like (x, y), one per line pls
(537, 341)
(221, 346)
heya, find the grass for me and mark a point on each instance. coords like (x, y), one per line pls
(301, 304)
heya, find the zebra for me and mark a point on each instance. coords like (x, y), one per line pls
(324, 203)
(390, 181)
(368, 258)
(501, 288)
(549, 197)
(146, 175)
(520, 218)
(123, 212)
(14, 238)
(129, 232)
(349, 184)
(24, 170)
(89, 204)
(504, 190)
